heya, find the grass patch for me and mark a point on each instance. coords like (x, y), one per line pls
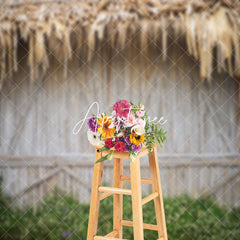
(60, 216)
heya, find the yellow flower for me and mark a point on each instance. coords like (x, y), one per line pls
(137, 139)
(104, 122)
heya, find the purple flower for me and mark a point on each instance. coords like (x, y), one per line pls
(92, 124)
(127, 140)
(118, 122)
(64, 208)
(136, 148)
(66, 234)
(126, 148)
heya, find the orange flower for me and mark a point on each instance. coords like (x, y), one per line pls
(104, 122)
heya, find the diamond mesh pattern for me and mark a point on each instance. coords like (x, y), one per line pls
(203, 118)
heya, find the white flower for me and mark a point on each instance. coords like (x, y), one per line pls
(111, 125)
(114, 113)
(93, 138)
(120, 134)
(141, 107)
(138, 129)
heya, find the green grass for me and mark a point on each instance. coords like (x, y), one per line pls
(60, 216)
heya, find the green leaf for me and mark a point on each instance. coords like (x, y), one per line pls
(132, 156)
(104, 148)
(110, 156)
(106, 157)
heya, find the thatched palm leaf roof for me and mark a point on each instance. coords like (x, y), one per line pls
(205, 24)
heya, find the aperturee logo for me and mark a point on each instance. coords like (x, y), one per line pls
(127, 129)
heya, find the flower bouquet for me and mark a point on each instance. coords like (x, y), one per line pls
(127, 129)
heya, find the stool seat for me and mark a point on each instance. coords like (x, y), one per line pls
(124, 155)
(101, 192)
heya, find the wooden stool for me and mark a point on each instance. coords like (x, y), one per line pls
(99, 192)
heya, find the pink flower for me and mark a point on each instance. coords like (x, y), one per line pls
(131, 120)
(122, 108)
(140, 113)
(140, 122)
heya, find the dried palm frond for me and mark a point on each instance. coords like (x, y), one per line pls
(48, 29)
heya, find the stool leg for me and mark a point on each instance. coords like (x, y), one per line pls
(95, 198)
(158, 202)
(136, 199)
(117, 198)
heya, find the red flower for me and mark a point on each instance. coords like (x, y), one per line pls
(120, 147)
(109, 143)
